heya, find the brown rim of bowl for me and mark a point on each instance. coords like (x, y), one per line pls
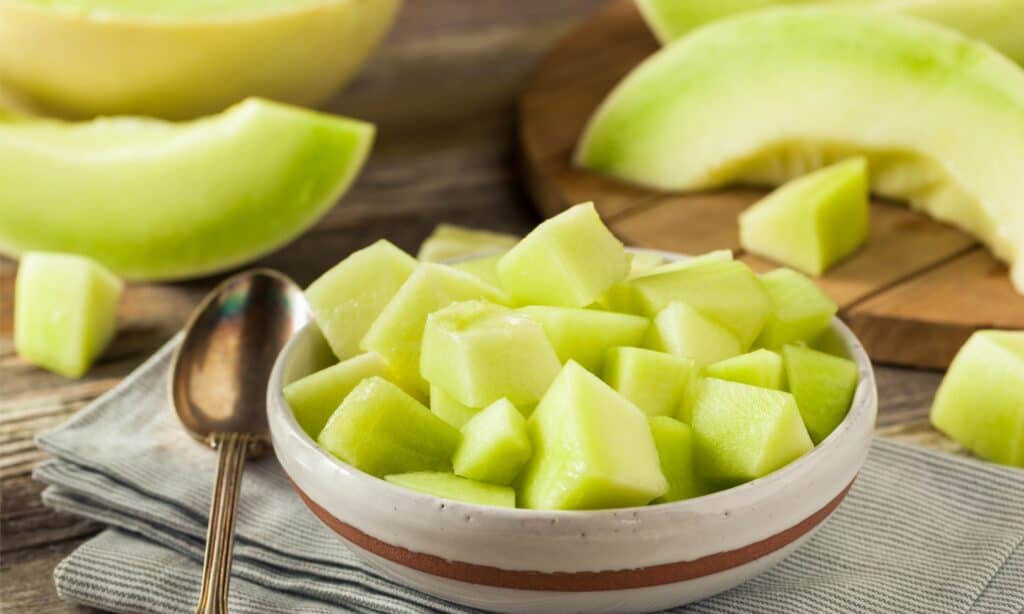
(581, 581)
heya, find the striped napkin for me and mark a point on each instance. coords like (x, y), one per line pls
(919, 531)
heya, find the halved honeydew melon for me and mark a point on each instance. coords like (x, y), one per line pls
(314, 397)
(768, 96)
(585, 335)
(153, 200)
(450, 486)
(447, 242)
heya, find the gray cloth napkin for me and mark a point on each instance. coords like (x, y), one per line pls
(919, 531)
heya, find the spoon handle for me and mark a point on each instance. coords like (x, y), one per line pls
(220, 532)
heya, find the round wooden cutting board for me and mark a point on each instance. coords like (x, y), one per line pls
(913, 293)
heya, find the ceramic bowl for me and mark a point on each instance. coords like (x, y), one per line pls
(631, 559)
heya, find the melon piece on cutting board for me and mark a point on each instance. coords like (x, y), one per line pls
(802, 312)
(653, 381)
(682, 331)
(451, 486)
(314, 397)
(450, 242)
(823, 386)
(495, 445)
(674, 441)
(758, 368)
(585, 335)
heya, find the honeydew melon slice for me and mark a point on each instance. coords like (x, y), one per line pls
(823, 386)
(801, 313)
(381, 430)
(980, 403)
(450, 486)
(758, 368)
(153, 200)
(770, 95)
(450, 410)
(448, 242)
(65, 311)
(585, 335)
(653, 381)
(495, 445)
(314, 397)
(592, 449)
(683, 331)
(485, 268)
(813, 221)
(674, 441)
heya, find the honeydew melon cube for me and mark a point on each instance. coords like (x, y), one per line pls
(980, 403)
(585, 335)
(640, 262)
(486, 269)
(682, 331)
(398, 332)
(347, 299)
(65, 311)
(823, 386)
(813, 221)
(382, 430)
(495, 445)
(622, 296)
(448, 241)
(568, 260)
(478, 352)
(674, 441)
(314, 397)
(758, 368)
(450, 410)
(592, 449)
(743, 432)
(653, 381)
(801, 311)
(450, 486)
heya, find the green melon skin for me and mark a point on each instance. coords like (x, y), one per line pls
(478, 352)
(65, 311)
(451, 242)
(761, 368)
(450, 486)
(682, 331)
(348, 298)
(585, 335)
(486, 268)
(801, 311)
(495, 445)
(823, 386)
(653, 381)
(674, 441)
(153, 200)
(381, 430)
(771, 95)
(592, 449)
(980, 403)
(568, 260)
(315, 397)
(450, 410)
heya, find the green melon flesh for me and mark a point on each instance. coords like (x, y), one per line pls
(484, 268)
(568, 260)
(683, 331)
(348, 298)
(621, 296)
(479, 352)
(768, 96)
(381, 430)
(801, 312)
(495, 445)
(813, 221)
(980, 403)
(398, 332)
(585, 335)
(450, 486)
(640, 262)
(674, 441)
(758, 368)
(450, 410)
(449, 242)
(744, 432)
(155, 200)
(315, 397)
(592, 449)
(65, 311)
(823, 386)
(653, 381)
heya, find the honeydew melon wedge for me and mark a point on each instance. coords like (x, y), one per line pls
(771, 95)
(674, 441)
(758, 368)
(654, 381)
(153, 200)
(585, 335)
(683, 331)
(801, 310)
(450, 486)
(823, 386)
(314, 397)
(448, 241)
(495, 445)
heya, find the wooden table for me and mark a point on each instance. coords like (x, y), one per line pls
(442, 91)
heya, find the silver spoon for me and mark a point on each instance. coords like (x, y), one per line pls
(218, 387)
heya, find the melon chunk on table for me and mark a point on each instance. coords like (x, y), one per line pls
(653, 381)
(823, 386)
(758, 368)
(495, 445)
(585, 335)
(450, 486)
(801, 310)
(674, 441)
(314, 397)
(682, 331)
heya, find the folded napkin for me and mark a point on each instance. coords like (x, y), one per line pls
(919, 531)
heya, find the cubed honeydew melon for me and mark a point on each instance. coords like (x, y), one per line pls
(585, 335)
(743, 432)
(820, 84)
(801, 310)
(450, 242)
(758, 368)
(683, 331)
(397, 333)
(314, 397)
(156, 200)
(592, 448)
(451, 486)
(347, 299)
(823, 386)
(653, 381)
(485, 268)
(568, 260)
(813, 221)
(479, 352)
(495, 445)
(674, 441)
(980, 403)
(621, 296)
(65, 311)
(381, 430)
(450, 410)
(641, 261)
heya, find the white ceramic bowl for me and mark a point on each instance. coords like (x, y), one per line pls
(631, 559)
